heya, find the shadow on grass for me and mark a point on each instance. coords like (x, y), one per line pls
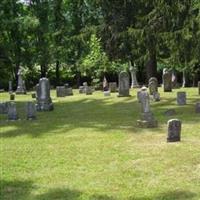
(102, 115)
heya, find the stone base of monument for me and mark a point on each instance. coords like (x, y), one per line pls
(147, 121)
(20, 90)
(43, 106)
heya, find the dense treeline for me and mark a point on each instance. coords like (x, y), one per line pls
(76, 39)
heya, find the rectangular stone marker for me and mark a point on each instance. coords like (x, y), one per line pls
(113, 87)
(181, 98)
(12, 111)
(30, 111)
(124, 82)
(68, 91)
(197, 107)
(88, 90)
(10, 88)
(33, 95)
(174, 130)
(12, 97)
(81, 89)
(4, 107)
(60, 91)
(167, 80)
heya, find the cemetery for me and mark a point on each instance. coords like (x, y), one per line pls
(92, 112)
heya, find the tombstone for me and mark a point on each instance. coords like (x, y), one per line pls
(138, 95)
(88, 90)
(113, 87)
(147, 119)
(81, 89)
(20, 84)
(44, 102)
(10, 88)
(105, 84)
(33, 95)
(66, 85)
(12, 97)
(197, 107)
(123, 84)
(174, 130)
(181, 98)
(4, 107)
(68, 91)
(12, 111)
(30, 111)
(153, 85)
(106, 93)
(60, 91)
(167, 80)
(199, 87)
(134, 82)
(170, 112)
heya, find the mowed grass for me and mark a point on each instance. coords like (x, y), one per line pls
(90, 148)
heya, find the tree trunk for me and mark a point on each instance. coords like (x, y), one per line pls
(57, 72)
(43, 70)
(151, 67)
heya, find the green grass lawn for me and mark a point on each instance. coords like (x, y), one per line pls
(89, 148)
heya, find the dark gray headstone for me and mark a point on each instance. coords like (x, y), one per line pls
(12, 111)
(181, 98)
(12, 97)
(30, 111)
(4, 107)
(167, 80)
(33, 95)
(174, 130)
(68, 91)
(60, 91)
(124, 82)
(44, 102)
(153, 85)
(197, 107)
(88, 90)
(81, 89)
(10, 87)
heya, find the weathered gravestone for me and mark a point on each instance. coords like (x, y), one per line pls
(68, 90)
(124, 84)
(153, 88)
(167, 80)
(197, 107)
(21, 89)
(12, 111)
(33, 95)
(44, 102)
(4, 107)
(113, 87)
(138, 95)
(147, 119)
(181, 98)
(199, 87)
(134, 82)
(60, 91)
(30, 111)
(174, 130)
(88, 90)
(81, 89)
(10, 87)
(12, 96)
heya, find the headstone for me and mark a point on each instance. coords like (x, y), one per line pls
(66, 85)
(153, 85)
(21, 84)
(147, 119)
(60, 91)
(174, 130)
(68, 91)
(134, 82)
(105, 84)
(123, 84)
(4, 107)
(199, 87)
(197, 107)
(12, 111)
(10, 88)
(106, 93)
(170, 112)
(181, 98)
(138, 95)
(167, 80)
(33, 95)
(12, 97)
(81, 89)
(113, 87)
(156, 96)
(44, 102)
(30, 111)
(88, 90)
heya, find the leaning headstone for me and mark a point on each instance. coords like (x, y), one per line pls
(124, 84)
(174, 130)
(167, 80)
(147, 119)
(12, 111)
(181, 98)
(10, 87)
(153, 85)
(30, 111)
(197, 107)
(12, 97)
(4, 107)
(44, 102)
(199, 87)
(20, 84)
(134, 82)
(60, 91)
(113, 87)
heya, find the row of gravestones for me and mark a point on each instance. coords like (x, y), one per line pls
(10, 109)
